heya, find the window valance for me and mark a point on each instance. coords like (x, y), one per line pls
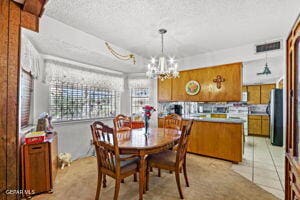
(69, 73)
(30, 58)
(139, 83)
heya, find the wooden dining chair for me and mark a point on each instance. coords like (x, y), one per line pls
(173, 121)
(171, 160)
(122, 122)
(109, 160)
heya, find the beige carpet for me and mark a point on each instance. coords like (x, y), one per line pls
(209, 179)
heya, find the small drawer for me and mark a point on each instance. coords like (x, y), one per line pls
(36, 148)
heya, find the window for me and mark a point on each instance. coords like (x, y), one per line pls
(139, 98)
(26, 90)
(69, 101)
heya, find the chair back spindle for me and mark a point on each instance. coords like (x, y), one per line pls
(183, 144)
(106, 146)
(122, 122)
(173, 121)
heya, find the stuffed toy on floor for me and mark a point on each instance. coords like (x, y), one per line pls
(64, 159)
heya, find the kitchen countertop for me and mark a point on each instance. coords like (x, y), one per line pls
(258, 114)
(219, 120)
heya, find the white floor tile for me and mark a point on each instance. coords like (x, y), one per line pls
(263, 164)
(267, 181)
(278, 193)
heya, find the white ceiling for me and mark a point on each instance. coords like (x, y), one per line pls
(194, 26)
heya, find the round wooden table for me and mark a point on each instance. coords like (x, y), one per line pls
(135, 142)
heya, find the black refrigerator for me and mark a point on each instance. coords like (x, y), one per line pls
(275, 111)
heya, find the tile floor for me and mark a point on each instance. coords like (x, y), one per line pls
(263, 164)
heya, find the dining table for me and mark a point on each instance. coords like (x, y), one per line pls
(137, 142)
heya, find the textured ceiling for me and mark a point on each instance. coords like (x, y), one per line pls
(194, 26)
(50, 45)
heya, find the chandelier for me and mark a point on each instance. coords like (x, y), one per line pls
(162, 68)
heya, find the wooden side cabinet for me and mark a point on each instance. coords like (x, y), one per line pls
(39, 165)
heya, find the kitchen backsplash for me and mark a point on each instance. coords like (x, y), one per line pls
(190, 108)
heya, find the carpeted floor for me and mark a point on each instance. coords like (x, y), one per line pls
(210, 179)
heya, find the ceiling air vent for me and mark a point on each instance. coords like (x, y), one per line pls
(268, 47)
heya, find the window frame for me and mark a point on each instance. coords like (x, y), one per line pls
(84, 95)
(132, 97)
(29, 103)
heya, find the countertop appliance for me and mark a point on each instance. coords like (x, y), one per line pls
(176, 108)
(275, 110)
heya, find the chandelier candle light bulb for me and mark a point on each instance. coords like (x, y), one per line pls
(164, 69)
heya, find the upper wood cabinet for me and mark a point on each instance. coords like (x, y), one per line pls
(265, 93)
(230, 90)
(178, 86)
(253, 94)
(259, 94)
(164, 90)
(280, 84)
(244, 88)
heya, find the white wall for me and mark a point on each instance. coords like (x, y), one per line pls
(251, 68)
(75, 137)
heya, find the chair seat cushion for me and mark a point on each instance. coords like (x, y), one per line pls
(165, 158)
(128, 165)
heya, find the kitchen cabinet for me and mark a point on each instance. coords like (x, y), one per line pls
(265, 93)
(178, 86)
(265, 126)
(253, 94)
(230, 90)
(244, 88)
(280, 84)
(254, 125)
(164, 90)
(259, 125)
(217, 139)
(259, 94)
(39, 165)
(218, 115)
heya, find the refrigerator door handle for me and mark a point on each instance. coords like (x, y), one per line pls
(268, 109)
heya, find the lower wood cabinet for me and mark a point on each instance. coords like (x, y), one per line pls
(254, 125)
(39, 165)
(216, 139)
(265, 126)
(259, 125)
